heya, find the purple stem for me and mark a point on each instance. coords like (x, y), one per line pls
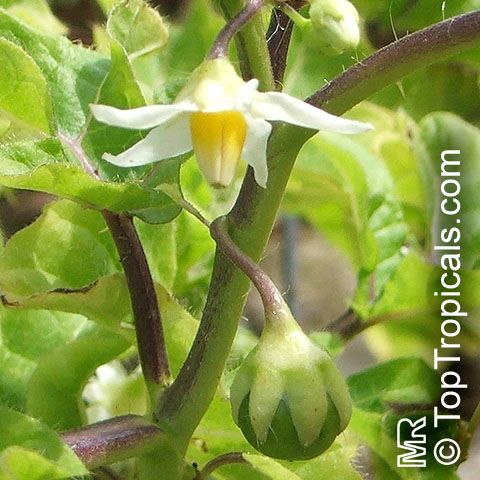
(220, 46)
(113, 440)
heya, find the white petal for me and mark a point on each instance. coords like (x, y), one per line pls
(142, 117)
(246, 94)
(280, 106)
(168, 140)
(255, 148)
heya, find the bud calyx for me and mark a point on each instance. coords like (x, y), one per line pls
(288, 397)
(334, 26)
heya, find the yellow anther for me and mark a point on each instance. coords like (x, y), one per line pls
(218, 139)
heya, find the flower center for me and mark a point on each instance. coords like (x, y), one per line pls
(217, 139)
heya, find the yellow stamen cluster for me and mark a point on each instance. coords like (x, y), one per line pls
(218, 139)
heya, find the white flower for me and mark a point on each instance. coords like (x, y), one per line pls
(112, 392)
(222, 118)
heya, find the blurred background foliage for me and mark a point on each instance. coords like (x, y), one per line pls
(359, 248)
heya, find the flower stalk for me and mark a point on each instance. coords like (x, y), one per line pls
(271, 298)
(220, 46)
(251, 46)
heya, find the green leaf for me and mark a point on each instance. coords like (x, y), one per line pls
(35, 13)
(143, 34)
(217, 432)
(106, 301)
(401, 294)
(446, 86)
(406, 318)
(74, 76)
(43, 166)
(270, 467)
(73, 73)
(107, 5)
(382, 469)
(406, 16)
(392, 141)
(345, 192)
(29, 450)
(24, 338)
(48, 254)
(378, 432)
(336, 462)
(195, 253)
(190, 41)
(54, 394)
(331, 342)
(24, 98)
(179, 327)
(441, 131)
(159, 243)
(121, 90)
(137, 27)
(403, 381)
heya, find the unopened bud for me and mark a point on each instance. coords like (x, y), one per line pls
(334, 26)
(288, 398)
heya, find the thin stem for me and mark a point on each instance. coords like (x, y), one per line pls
(220, 461)
(293, 14)
(271, 298)
(148, 325)
(220, 46)
(251, 46)
(75, 147)
(350, 325)
(113, 440)
(176, 195)
(391, 63)
(252, 218)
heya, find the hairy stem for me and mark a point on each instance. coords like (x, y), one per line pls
(271, 298)
(251, 46)
(220, 46)
(251, 220)
(220, 461)
(148, 325)
(391, 63)
(113, 440)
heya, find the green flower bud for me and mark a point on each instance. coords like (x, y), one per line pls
(288, 398)
(333, 27)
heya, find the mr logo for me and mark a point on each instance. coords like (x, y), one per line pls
(414, 444)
